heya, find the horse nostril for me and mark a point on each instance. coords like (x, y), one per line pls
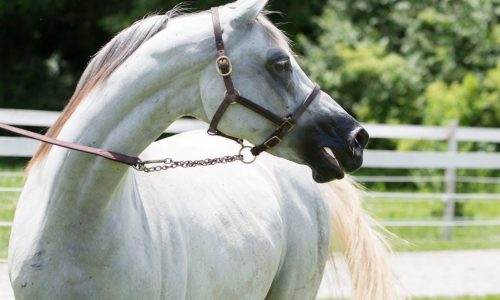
(361, 138)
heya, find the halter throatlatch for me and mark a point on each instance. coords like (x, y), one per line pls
(224, 68)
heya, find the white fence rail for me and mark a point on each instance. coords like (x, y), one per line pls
(440, 133)
(22, 147)
(449, 161)
(22, 117)
(430, 160)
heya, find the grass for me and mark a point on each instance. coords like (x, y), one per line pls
(8, 199)
(4, 241)
(419, 238)
(431, 238)
(390, 209)
(7, 209)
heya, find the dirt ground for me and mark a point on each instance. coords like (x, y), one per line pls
(430, 274)
(443, 273)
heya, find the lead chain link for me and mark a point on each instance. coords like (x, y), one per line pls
(168, 163)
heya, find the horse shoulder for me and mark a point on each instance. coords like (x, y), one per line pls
(258, 222)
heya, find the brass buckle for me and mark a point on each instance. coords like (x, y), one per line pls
(217, 66)
(270, 140)
(287, 120)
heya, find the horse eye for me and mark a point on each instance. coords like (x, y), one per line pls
(282, 66)
(278, 61)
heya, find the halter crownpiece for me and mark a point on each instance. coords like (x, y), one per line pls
(224, 68)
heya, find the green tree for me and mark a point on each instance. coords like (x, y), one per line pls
(397, 61)
(473, 100)
(422, 62)
(46, 44)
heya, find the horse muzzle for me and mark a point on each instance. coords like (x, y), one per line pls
(334, 148)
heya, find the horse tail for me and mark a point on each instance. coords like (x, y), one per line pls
(360, 240)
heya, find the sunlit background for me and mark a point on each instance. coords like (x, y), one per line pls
(424, 76)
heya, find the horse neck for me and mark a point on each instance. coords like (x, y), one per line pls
(127, 112)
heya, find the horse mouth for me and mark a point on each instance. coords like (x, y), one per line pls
(327, 153)
(330, 167)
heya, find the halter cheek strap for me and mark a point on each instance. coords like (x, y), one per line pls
(224, 69)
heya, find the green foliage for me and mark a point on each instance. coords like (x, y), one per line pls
(445, 38)
(4, 241)
(475, 100)
(375, 85)
(417, 62)
(395, 61)
(431, 238)
(46, 44)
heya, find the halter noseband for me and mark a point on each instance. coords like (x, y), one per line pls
(224, 69)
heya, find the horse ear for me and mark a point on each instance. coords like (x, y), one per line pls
(245, 12)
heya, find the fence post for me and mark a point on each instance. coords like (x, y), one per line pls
(450, 181)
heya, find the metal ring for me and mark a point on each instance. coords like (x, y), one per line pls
(218, 67)
(243, 159)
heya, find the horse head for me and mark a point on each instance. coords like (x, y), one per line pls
(265, 70)
(140, 77)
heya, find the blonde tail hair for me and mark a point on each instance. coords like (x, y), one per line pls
(366, 251)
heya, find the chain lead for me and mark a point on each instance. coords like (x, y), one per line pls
(168, 163)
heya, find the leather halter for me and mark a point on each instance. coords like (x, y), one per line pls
(224, 69)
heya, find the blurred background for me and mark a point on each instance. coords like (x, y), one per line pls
(424, 76)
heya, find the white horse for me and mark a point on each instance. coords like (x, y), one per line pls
(90, 228)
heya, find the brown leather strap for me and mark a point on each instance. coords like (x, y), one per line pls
(223, 62)
(222, 134)
(219, 42)
(224, 68)
(309, 99)
(114, 156)
(259, 109)
(287, 124)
